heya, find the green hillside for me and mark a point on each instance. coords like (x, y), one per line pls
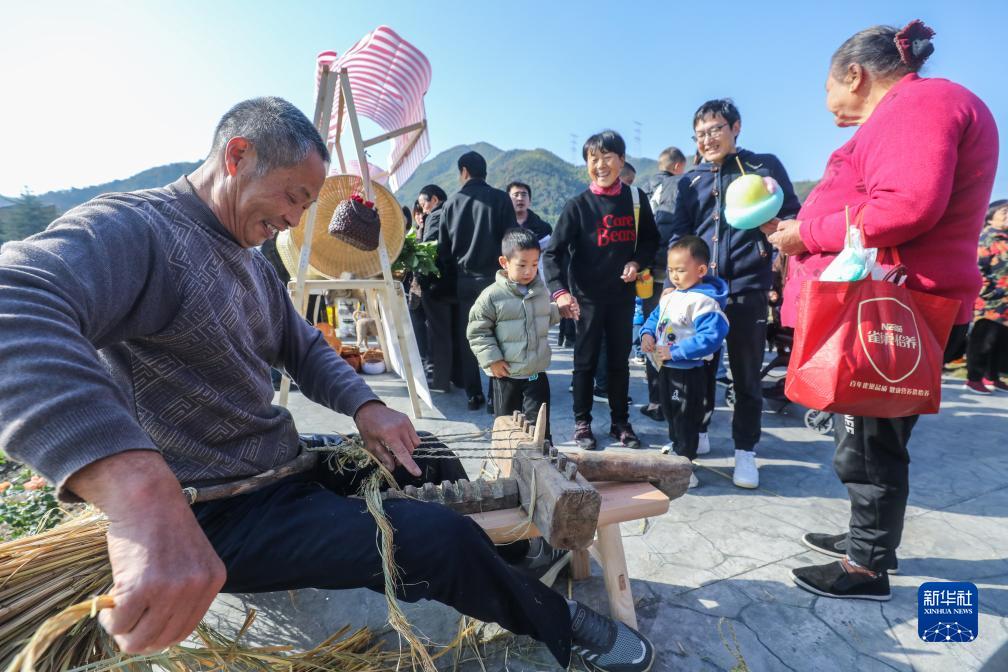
(152, 177)
(803, 187)
(31, 213)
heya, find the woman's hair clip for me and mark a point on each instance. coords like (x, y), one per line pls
(914, 44)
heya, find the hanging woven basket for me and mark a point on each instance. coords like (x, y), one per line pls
(333, 256)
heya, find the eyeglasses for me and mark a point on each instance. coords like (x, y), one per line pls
(712, 132)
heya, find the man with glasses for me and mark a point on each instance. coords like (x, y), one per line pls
(740, 258)
(521, 199)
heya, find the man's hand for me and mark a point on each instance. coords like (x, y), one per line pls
(568, 306)
(647, 342)
(630, 271)
(770, 227)
(787, 238)
(500, 369)
(388, 435)
(165, 572)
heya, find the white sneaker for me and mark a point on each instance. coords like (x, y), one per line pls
(693, 481)
(703, 447)
(668, 448)
(746, 472)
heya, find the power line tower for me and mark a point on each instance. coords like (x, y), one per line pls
(573, 148)
(638, 127)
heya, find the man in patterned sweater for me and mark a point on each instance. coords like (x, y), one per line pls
(136, 336)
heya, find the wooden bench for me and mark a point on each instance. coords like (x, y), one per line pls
(621, 502)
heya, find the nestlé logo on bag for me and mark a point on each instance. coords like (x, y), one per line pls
(887, 331)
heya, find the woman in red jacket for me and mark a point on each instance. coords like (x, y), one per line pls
(919, 172)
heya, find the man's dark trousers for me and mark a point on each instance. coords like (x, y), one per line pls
(615, 320)
(746, 343)
(304, 532)
(522, 394)
(418, 318)
(469, 288)
(872, 460)
(440, 339)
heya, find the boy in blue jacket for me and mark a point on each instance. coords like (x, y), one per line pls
(683, 332)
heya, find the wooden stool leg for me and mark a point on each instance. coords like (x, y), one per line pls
(580, 566)
(613, 560)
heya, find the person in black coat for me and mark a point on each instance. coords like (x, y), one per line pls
(470, 230)
(521, 197)
(439, 300)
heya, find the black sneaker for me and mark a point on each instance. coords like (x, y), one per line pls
(623, 432)
(598, 394)
(833, 545)
(606, 645)
(476, 402)
(543, 562)
(583, 436)
(653, 413)
(832, 580)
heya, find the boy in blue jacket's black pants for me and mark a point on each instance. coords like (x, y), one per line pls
(680, 335)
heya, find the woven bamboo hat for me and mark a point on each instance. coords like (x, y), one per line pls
(290, 255)
(332, 257)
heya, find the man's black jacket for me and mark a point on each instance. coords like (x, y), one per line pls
(662, 188)
(536, 225)
(471, 227)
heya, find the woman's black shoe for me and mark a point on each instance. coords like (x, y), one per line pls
(832, 580)
(653, 413)
(476, 402)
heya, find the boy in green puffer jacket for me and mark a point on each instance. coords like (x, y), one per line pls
(508, 328)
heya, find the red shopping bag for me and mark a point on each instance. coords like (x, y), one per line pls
(869, 348)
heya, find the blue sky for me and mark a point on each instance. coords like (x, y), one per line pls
(94, 91)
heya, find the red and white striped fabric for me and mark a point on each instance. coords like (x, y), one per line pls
(388, 78)
(353, 168)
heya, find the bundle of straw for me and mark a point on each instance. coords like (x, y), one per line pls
(63, 568)
(354, 653)
(43, 574)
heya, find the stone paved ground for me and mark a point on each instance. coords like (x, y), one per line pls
(710, 578)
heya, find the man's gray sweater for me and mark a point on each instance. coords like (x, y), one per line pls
(135, 321)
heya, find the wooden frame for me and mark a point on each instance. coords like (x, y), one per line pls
(621, 502)
(385, 300)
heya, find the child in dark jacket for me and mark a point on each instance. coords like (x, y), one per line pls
(684, 331)
(599, 245)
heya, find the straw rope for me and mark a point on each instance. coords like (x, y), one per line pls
(63, 568)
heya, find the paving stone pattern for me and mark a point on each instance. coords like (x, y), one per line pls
(710, 578)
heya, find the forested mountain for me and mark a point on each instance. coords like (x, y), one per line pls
(553, 181)
(21, 217)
